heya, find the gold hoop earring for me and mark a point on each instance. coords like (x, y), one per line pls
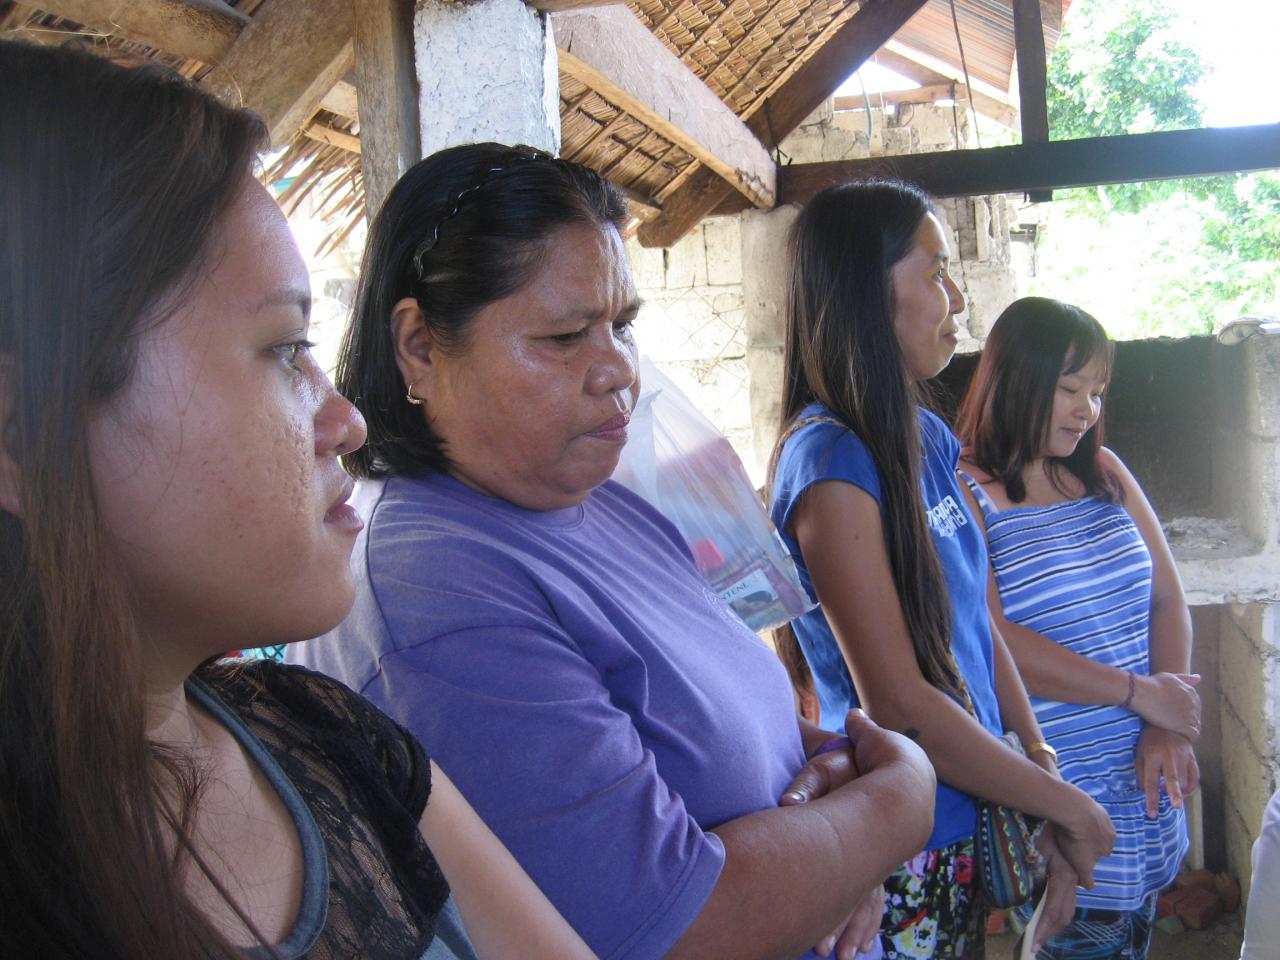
(408, 395)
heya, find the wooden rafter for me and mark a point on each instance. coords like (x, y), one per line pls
(1055, 165)
(841, 55)
(612, 52)
(556, 6)
(199, 29)
(342, 101)
(285, 61)
(949, 70)
(988, 106)
(335, 138)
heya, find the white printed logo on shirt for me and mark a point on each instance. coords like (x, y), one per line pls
(946, 517)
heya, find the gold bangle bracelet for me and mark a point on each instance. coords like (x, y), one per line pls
(1041, 747)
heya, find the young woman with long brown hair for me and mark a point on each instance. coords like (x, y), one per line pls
(169, 489)
(1084, 589)
(865, 493)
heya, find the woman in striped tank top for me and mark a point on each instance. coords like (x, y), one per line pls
(1085, 593)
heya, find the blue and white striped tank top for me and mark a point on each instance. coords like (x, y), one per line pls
(1079, 573)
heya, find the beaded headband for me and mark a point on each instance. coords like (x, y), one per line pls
(512, 158)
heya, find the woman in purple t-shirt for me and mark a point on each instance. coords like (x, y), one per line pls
(865, 492)
(544, 631)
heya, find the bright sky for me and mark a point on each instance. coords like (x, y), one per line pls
(1238, 37)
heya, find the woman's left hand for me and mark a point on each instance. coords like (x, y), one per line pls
(859, 932)
(820, 775)
(1059, 892)
(1164, 754)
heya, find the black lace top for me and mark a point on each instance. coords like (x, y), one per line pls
(356, 784)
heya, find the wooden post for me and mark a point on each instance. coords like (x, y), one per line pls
(1028, 33)
(387, 88)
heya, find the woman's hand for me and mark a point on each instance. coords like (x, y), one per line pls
(1170, 701)
(1084, 834)
(1164, 754)
(820, 775)
(871, 747)
(859, 932)
(1059, 892)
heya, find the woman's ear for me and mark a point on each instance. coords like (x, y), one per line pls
(10, 489)
(414, 345)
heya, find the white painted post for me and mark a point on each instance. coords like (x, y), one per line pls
(486, 71)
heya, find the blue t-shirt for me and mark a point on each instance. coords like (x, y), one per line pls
(826, 451)
(573, 673)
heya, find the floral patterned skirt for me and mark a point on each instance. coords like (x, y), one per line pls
(933, 910)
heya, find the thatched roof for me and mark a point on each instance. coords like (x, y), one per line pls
(765, 60)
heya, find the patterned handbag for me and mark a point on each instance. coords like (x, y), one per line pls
(1009, 865)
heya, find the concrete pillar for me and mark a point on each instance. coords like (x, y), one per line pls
(1249, 665)
(486, 71)
(764, 285)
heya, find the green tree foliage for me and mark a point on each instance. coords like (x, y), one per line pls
(1121, 67)
(1169, 257)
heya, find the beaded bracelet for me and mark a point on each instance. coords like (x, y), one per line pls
(1133, 685)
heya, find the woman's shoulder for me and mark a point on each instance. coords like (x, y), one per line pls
(971, 470)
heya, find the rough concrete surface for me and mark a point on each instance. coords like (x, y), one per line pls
(486, 71)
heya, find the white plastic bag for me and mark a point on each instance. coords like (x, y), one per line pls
(677, 460)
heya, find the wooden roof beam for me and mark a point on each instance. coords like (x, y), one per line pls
(612, 52)
(997, 110)
(558, 6)
(335, 138)
(1059, 164)
(199, 29)
(948, 70)
(846, 50)
(1028, 36)
(288, 57)
(342, 101)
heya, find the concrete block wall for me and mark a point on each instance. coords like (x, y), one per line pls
(713, 315)
(1249, 707)
(693, 326)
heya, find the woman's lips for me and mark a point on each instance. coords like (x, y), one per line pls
(614, 429)
(343, 515)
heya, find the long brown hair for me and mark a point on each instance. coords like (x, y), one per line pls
(841, 350)
(112, 184)
(1006, 410)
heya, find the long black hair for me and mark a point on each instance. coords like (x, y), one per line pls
(461, 229)
(841, 350)
(1005, 414)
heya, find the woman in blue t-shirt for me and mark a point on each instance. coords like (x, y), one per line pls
(903, 628)
(1088, 597)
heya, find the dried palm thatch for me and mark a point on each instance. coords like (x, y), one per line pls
(744, 50)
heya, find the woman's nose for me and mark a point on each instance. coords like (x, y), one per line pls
(956, 295)
(614, 369)
(340, 427)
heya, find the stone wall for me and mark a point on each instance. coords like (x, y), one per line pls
(713, 313)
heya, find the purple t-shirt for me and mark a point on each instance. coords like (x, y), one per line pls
(572, 672)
